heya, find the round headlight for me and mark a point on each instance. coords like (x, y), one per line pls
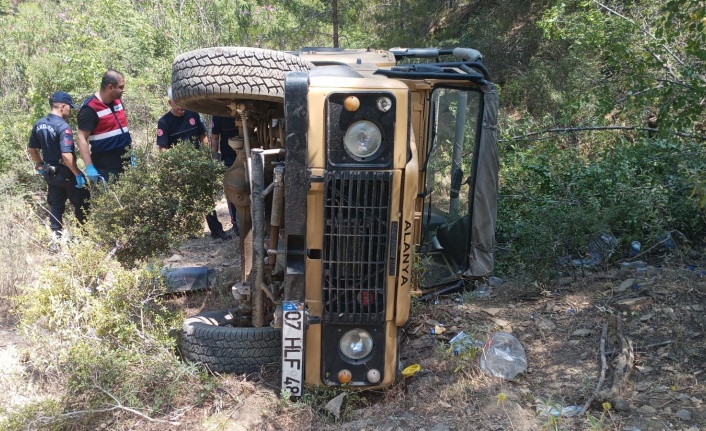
(356, 344)
(363, 139)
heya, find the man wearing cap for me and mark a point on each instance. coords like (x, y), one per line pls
(102, 123)
(51, 147)
(178, 125)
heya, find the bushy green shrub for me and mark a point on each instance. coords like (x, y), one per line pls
(555, 200)
(155, 204)
(102, 332)
(95, 315)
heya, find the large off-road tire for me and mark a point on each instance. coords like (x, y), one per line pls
(209, 338)
(207, 80)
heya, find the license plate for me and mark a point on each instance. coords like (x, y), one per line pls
(293, 347)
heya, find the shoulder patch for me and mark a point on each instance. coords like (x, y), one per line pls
(160, 132)
(192, 121)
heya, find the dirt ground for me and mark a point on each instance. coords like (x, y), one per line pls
(661, 310)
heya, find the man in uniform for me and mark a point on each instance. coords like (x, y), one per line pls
(222, 129)
(51, 147)
(102, 122)
(180, 124)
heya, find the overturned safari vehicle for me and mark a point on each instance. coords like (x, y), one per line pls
(363, 178)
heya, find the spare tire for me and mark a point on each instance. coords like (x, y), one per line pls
(207, 80)
(211, 339)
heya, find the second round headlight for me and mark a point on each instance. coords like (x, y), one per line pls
(356, 344)
(362, 139)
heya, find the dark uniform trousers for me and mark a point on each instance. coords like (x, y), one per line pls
(214, 225)
(62, 186)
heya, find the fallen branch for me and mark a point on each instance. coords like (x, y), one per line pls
(624, 363)
(48, 420)
(599, 128)
(120, 406)
(665, 240)
(604, 330)
(681, 62)
(648, 346)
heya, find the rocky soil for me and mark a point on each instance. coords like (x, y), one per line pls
(659, 311)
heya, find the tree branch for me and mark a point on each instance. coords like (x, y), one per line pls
(681, 84)
(623, 364)
(119, 405)
(598, 128)
(645, 32)
(604, 330)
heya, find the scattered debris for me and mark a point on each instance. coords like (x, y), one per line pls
(647, 409)
(633, 304)
(647, 317)
(545, 324)
(503, 356)
(188, 278)
(491, 311)
(638, 264)
(502, 323)
(462, 343)
(583, 332)
(482, 291)
(557, 410)
(411, 370)
(644, 369)
(495, 281)
(438, 329)
(625, 285)
(174, 258)
(601, 248)
(622, 405)
(334, 406)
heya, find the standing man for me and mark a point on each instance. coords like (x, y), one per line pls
(57, 162)
(180, 124)
(222, 129)
(102, 123)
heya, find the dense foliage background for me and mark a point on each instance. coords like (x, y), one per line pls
(635, 71)
(603, 131)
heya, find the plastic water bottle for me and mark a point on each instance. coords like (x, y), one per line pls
(503, 356)
(463, 343)
(482, 291)
(635, 248)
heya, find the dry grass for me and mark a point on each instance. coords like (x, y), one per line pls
(23, 252)
(21, 244)
(563, 369)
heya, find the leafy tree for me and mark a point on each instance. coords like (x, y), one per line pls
(651, 58)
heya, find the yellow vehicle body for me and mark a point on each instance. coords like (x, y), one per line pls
(338, 171)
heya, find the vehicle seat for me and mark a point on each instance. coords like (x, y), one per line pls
(437, 219)
(453, 237)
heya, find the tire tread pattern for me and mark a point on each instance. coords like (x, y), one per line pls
(206, 80)
(208, 339)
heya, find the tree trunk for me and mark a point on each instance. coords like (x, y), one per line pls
(334, 19)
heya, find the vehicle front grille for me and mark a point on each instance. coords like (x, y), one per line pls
(356, 230)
